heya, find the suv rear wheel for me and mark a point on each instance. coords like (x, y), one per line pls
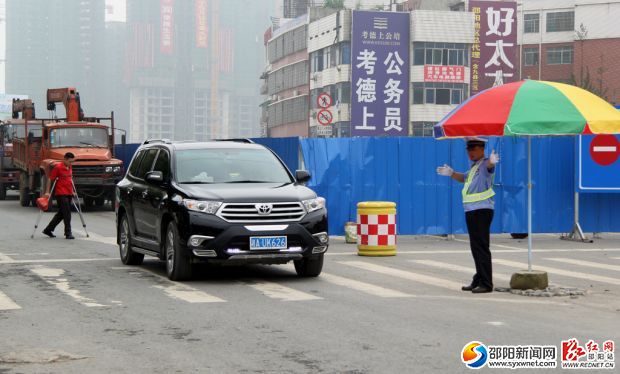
(128, 257)
(309, 267)
(178, 267)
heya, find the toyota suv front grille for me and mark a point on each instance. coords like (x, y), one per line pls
(262, 212)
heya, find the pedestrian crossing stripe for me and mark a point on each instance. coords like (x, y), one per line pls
(368, 288)
(278, 291)
(585, 263)
(6, 303)
(566, 273)
(458, 268)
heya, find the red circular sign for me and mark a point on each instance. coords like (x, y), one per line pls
(325, 117)
(605, 149)
(324, 100)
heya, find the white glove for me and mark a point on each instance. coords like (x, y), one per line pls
(445, 170)
(493, 158)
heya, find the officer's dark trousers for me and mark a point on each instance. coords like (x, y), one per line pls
(63, 214)
(479, 227)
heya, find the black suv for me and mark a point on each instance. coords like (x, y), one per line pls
(227, 202)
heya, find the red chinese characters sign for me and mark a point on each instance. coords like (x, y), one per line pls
(494, 49)
(167, 26)
(444, 74)
(201, 24)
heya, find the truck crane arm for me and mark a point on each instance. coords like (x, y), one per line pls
(25, 107)
(70, 99)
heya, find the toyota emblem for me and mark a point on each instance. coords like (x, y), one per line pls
(263, 209)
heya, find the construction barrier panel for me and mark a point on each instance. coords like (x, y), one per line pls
(376, 228)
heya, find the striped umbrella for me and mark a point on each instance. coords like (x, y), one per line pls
(531, 108)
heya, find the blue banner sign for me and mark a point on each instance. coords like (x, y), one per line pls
(380, 74)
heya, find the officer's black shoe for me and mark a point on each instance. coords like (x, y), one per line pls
(49, 233)
(468, 288)
(70, 236)
(481, 289)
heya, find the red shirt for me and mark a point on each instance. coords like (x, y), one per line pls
(64, 186)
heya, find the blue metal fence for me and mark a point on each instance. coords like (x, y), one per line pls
(348, 170)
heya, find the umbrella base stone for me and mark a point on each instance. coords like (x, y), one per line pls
(529, 280)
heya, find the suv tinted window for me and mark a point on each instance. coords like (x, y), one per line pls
(163, 164)
(133, 169)
(234, 165)
(147, 163)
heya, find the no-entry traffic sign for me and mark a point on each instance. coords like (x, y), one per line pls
(605, 149)
(325, 117)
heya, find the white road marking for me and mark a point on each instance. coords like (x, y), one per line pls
(175, 290)
(586, 263)
(509, 250)
(6, 303)
(4, 257)
(58, 260)
(368, 288)
(496, 323)
(52, 276)
(277, 291)
(566, 273)
(420, 278)
(458, 268)
(94, 237)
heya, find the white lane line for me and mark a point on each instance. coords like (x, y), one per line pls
(6, 303)
(189, 294)
(94, 237)
(566, 273)
(585, 263)
(458, 268)
(512, 250)
(4, 257)
(277, 291)
(58, 260)
(420, 278)
(53, 277)
(178, 291)
(496, 323)
(368, 288)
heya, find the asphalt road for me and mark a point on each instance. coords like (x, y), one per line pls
(73, 307)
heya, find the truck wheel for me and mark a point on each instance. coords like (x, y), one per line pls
(2, 191)
(24, 191)
(128, 256)
(178, 267)
(309, 267)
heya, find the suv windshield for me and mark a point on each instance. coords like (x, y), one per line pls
(229, 166)
(79, 137)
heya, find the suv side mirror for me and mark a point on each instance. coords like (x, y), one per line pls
(155, 177)
(302, 176)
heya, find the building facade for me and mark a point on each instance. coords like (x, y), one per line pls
(572, 41)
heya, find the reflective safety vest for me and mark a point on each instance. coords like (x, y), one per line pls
(475, 197)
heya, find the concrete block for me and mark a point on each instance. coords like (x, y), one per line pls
(529, 280)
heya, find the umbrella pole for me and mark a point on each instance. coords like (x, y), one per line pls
(529, 203)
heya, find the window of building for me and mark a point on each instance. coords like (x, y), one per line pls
(418, 55)
(440, 54)
(418, 95)
(422, 128)
(560, 55)
(439, 93)
(530, 56)
(560, 21)
(430, 96)
(456, 97)
(531, 23)
(345, 53)
(442, 96)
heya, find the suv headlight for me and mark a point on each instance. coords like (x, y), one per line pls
(209, 207)
(117, 169)
(314, 204)
(108, 169)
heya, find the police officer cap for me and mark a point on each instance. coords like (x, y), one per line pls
(475, 141)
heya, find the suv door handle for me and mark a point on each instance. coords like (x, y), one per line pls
(129, 190)
(145, 194)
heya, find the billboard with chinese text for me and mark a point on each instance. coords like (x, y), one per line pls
(167, 26)
(201, 24)
(444, 74)
(380, 74)
(494, 50)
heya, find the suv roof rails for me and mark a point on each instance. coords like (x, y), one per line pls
(238, 140)
(149, 141)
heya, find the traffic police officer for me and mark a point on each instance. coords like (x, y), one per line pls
(478, 204)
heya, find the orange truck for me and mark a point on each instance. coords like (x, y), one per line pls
(38, 144)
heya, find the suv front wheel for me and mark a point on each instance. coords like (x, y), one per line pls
(178, 267)
(309, 267)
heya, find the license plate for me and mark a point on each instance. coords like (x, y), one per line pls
(268, 242)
